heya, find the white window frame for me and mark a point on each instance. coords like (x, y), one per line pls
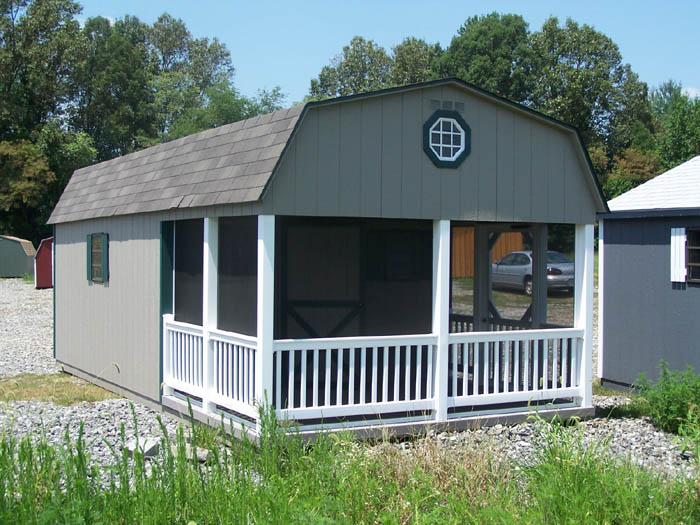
(436, 147)
(678, 267)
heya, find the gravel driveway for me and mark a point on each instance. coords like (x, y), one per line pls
(25, 347)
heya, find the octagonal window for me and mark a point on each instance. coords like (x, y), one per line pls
(446, 139)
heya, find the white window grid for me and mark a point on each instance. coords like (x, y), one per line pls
(446, 139)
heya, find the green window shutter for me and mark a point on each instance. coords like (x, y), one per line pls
(105, 257)
(88, 242)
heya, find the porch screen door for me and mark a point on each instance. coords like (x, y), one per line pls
(322, 293)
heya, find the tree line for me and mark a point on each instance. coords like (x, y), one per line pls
(73, 94)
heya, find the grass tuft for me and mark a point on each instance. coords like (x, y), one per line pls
(60, 389)
(332, 479)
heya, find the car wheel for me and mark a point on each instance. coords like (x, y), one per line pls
(527, 286)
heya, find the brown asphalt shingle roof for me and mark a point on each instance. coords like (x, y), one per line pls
(224, 165)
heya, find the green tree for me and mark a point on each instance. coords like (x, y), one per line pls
(632, 168)
(363, 66)
(25, 178)
(678, 117)
(580, 79)
(115, 102)
(493, 53)
(65, 151)
(38, 52)
(223, 105)
(413, 61)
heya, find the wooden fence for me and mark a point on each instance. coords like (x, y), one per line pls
(463, 249)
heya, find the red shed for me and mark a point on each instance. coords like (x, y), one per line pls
(43, 264)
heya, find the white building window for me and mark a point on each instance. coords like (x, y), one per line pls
(447, 139)
(678, 268)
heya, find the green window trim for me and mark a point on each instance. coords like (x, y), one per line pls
(97, 255)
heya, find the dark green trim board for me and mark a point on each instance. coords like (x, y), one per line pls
(444, 113)
(88, 256)
(167, 237)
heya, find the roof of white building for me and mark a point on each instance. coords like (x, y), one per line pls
(679, 187)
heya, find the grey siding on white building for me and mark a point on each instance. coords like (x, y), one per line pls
(647, 317)
(364, 158)
(112, 331)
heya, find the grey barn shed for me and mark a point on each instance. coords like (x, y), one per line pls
(303, 257)
(16, 256)
(649, 278)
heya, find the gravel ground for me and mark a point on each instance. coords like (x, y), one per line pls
(25, 346)
(26, 329)
(101, 423)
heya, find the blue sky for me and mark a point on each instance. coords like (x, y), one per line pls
(275, 43)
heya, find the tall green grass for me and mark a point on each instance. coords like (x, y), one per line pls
(334, 479)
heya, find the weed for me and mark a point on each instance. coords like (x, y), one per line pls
(689, 432)
(667, 402)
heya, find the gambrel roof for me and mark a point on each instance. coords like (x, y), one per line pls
(237, 163)
(26, 245)
(679, 187)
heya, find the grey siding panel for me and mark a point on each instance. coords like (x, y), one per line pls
(575, 201)
(412, 138)
(522, 205)
(365, 158)
(392, 161)
(539, 188)
(329, 141)
(488, 163)
(506, 165)
(647, 318)
(370, 175)
(557, 178)
(350, 160)
(307, 166)
(430, 177)
(469, 169)
(111, 330)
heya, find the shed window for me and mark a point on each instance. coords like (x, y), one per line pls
(447, 139)
(98, 257)
(693, 255)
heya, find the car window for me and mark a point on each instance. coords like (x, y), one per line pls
(522, 260)
(557, 258)
(509, 259)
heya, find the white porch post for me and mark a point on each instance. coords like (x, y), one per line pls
(441, 313)
(266, 308)
(583, 307)
(209, 305)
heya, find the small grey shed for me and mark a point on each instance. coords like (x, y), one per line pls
(649, 278)
(303, 257)
(16, 256)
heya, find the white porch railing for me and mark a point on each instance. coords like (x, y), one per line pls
(354, 376)
(229, 359)
(317, 381)
(491, 368)
(183, 357)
